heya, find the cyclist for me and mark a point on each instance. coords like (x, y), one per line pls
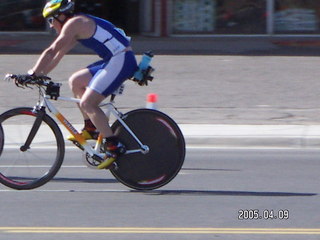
(95, 82)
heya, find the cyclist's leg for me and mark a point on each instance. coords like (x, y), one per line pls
(105, 82)
(78, 83)
(90, 105)
(79, 80)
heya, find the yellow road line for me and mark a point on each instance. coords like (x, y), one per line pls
(140, 230)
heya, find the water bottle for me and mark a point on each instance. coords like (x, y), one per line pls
(143, 65)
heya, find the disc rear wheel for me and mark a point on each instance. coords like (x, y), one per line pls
(163, 161)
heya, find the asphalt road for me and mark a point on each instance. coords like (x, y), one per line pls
(214, 197)
(204, 201)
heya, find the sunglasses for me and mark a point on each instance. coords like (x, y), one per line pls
(50, 20)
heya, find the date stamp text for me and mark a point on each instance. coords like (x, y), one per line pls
(267, 214)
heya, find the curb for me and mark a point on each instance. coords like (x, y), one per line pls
(252, 136)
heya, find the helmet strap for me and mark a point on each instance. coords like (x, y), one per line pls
(62, 22)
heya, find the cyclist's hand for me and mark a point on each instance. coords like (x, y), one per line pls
(21, 80)
(24, 80)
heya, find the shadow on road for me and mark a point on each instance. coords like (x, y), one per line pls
(83, 180)
(226, 193)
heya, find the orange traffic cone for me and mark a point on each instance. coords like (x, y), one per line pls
(152, 99)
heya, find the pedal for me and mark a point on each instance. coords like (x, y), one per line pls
(113, 166)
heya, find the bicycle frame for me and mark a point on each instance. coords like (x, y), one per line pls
(93, 152)
(42, 146)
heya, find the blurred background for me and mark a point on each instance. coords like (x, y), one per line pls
(179, 17)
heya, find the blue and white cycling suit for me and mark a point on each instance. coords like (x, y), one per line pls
(117, 64)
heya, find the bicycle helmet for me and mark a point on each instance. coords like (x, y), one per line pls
(56, 7)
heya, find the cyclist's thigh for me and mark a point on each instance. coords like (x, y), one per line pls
(113, 73)
(91, 98)
(80, 79)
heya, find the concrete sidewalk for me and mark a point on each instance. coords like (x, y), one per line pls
(230, 136)
(35, 43)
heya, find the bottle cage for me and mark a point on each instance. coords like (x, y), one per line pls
(146, 76)
(143, 74)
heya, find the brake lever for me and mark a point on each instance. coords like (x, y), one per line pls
(19, 85)
(27, 86)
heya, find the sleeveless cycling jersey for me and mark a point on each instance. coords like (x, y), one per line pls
(108, 40)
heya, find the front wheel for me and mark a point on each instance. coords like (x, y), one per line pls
(34, 166)
(1, 139)
(147, 171)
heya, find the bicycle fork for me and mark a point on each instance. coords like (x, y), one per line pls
(40, 113)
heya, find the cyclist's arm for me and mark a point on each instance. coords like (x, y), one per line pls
(50, 57)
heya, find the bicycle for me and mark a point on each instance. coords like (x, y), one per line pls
(32, 146)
